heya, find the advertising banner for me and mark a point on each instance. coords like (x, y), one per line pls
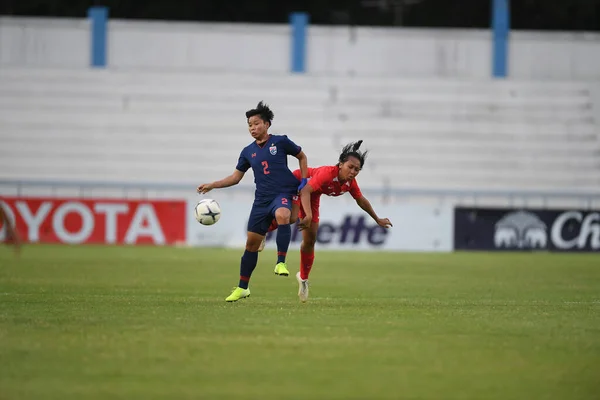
(343, 226)
(106, 221)
(503, 229)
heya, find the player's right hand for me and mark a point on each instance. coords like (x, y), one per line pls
(384, 222)
(205, 188)
(304, 223)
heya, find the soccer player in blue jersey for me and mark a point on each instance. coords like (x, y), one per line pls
(276, 189)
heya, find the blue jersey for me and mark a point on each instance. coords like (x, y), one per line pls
(269, 164)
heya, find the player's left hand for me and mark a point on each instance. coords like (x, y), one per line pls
(302, 184)
(304, 223)
(384, 222)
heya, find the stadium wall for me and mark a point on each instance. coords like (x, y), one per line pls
(456, 53)
(47, 42)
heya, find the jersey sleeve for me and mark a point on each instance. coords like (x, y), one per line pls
(242, 164)
(298, 174)
(290, 147)
(319, 178)
(355, 190)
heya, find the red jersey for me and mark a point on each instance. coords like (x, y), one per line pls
(324, 180)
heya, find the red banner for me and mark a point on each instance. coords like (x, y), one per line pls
(109, 221)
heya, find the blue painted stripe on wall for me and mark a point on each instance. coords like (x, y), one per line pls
(299, 24)
(98, 22)
(501, 28)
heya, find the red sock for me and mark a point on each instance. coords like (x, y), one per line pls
(306, 262)
(273, 226)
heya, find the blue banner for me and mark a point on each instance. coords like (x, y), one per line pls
(505, 229)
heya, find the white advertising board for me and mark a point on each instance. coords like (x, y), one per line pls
(343, 226)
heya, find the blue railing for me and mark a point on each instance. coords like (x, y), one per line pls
(586, 198)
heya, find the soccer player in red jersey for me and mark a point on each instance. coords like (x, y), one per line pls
(12, 237)
(334, 180)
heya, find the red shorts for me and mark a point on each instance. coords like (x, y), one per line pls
(315, 201)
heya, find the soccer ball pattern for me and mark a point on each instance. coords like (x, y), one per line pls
(207, 212)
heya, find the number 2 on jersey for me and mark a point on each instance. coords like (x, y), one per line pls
(265, 164)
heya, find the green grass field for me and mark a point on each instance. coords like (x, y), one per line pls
(97, 322)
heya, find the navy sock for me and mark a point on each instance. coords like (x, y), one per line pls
(284, 235)
(249, 260)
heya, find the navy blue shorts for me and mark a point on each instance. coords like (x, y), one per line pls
(263, 213)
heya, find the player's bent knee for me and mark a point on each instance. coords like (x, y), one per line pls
(283, 215)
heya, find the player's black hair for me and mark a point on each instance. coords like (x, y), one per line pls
(351, 150)
(263, 111)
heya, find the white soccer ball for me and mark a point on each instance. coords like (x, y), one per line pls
(207, 211)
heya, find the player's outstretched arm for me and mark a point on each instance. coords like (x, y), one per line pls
(231, 180)
(366, 205)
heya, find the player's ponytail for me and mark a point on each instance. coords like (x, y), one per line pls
(351, 150)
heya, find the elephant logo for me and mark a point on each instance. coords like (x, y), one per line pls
(521, 230)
